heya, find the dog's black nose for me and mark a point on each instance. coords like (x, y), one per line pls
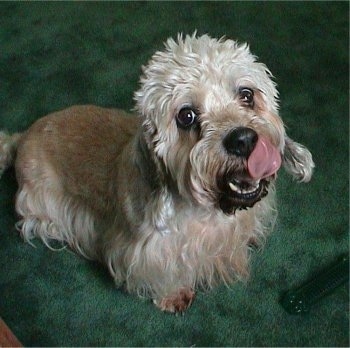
(240, 141)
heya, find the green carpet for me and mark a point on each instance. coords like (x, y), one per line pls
(53, 55)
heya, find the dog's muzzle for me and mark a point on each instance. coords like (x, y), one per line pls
(260, 159)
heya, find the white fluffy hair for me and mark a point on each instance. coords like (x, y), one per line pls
(142, 195)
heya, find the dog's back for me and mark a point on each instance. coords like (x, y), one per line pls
(80, 145)
(66, 166)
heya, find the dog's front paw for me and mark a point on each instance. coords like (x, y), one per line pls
(177, 302)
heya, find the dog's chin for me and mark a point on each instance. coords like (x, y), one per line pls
(241, 193)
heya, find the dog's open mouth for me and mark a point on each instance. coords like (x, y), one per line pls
(242, 194)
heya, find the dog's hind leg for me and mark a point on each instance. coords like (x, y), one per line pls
(50, 216)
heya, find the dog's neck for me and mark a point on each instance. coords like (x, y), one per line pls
(146, 163)
(151, 168)
(161, 193)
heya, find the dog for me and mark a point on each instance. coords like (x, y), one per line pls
(175, 198)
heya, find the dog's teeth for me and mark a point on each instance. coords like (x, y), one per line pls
(236, 188)
(233, 187)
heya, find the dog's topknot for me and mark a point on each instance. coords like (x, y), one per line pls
(191, 59)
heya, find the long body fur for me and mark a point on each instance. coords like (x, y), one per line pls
(63, 200)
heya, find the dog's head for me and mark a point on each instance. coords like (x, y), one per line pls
(211, 122)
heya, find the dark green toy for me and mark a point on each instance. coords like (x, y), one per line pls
(300, 300)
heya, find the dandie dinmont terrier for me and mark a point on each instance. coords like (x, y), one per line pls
(171, 200)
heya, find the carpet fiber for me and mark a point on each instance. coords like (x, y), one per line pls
(53, 55)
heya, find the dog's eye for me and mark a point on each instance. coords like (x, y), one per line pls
(246, 95)
(186, 118)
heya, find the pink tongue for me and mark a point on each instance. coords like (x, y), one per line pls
(265, 159)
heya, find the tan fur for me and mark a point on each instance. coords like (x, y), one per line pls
(142, 195)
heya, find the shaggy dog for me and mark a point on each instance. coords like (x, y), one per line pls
(173, 199)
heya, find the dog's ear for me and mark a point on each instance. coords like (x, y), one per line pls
(297, 160)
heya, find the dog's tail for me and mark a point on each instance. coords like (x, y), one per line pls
(8, 147)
